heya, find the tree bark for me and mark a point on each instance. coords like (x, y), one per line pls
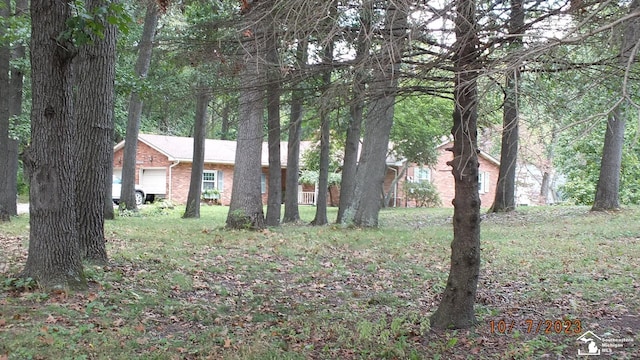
(356, 108)
(291, 210)
(6, 197)
(506, 187)
(199, 130)
(372, 166)
(325, 135)
(245, 210)
(95, 69)
(608, 188)
(54, 258)
(274, 189)
(456, 309)
(127, 197)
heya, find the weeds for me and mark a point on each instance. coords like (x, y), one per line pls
(177, 289)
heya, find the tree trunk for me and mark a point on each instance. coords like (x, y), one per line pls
(6, 197)
(323, 177)
(352, 142)
(127, 197)
(245, 210)
(199, 130)
(506, 187)
(456, 309)
(54, 258)
(95, 69)
(274, 190)
(224, 121)
(325, 132)
(547, 175)
(608, 188)
(372, 166)
(291, 211)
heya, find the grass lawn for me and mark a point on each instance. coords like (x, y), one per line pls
(188, 289)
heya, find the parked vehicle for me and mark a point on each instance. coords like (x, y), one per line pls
(116, 189)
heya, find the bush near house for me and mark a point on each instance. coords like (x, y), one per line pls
(423, 193)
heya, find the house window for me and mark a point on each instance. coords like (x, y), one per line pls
(209, 180)
(212, 184)
(422, 174)
(263, 183)
(483, 182)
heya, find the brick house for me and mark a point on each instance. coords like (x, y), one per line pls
(163, 166)
(441, 177)
(163, 169)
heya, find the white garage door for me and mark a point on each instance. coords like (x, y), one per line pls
(154, 181)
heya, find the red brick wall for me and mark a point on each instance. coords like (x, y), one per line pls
(442, 178)
(146, 157)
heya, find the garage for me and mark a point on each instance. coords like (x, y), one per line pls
(154, 181)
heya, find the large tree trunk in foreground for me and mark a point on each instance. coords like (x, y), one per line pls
(505, 200)
(199, 131)
(245, 210)
(6, 197)
(128, 197)
(608, 188)
(274, 190)
(456, 309)
(54, 258)
(372, 166)
(95, 70)
(291, 211)
(356, 108)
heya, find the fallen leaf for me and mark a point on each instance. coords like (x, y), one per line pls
(227, 343)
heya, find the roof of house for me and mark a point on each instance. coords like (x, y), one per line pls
(483, 154)
(178, 148)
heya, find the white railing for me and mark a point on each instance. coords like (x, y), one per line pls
(306, 198)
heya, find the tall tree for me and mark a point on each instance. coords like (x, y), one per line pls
(379, 119)
(128, 197)
(291, 210)
(456, 309)
(245, 210)
(325, 134)
(199, 134)
(6, 196)
(506, 186)
(274, 190)
(356, 111)
(54, 257)
(608, 188)
(94, 67)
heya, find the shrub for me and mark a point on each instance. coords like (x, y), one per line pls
(423, 193)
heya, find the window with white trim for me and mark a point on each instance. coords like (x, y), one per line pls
(209, 180)
(422, 174)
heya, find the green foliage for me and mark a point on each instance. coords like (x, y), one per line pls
(423, 193)
(311, 177)
(84, 25)
(419, 123)
(579, 158)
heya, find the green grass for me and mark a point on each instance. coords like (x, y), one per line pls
(188, 289)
